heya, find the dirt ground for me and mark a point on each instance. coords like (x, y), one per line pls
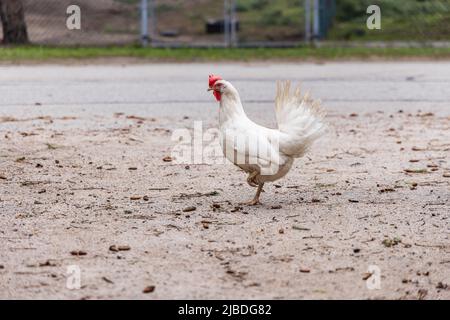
(370, 199)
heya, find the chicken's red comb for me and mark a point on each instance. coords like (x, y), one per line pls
(212, 79)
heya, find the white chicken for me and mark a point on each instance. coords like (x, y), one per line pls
(266, 154)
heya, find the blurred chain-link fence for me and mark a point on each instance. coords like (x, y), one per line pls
(233, 22)
(170, 22)
(242, 21)
(103, 22)
(406, 20)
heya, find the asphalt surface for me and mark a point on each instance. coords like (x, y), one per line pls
(175, 89)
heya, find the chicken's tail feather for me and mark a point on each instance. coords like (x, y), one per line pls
(300, 119)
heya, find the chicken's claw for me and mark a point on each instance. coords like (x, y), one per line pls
(252, 202)
(251, 179)
(252, 183)
(255, 200)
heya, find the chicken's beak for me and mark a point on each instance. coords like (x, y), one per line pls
(209, 89)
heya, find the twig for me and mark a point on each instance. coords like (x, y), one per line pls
(440, 246)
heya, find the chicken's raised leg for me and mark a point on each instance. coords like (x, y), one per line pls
(250, 178)
(255, 200)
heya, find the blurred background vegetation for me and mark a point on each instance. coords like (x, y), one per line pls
(117, 22)
(401, 20)
(112, 28)
(283, 20)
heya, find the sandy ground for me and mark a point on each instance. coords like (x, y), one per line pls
(81, 170)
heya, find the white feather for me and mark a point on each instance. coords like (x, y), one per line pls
(300, 119)
(270, 152)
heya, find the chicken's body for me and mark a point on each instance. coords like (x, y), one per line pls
(267, 154)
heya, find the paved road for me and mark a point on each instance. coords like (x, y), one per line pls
(176, 89)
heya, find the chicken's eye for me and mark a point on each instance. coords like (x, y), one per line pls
(220, 86)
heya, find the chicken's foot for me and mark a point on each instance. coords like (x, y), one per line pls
(255, 200)
(250, 178)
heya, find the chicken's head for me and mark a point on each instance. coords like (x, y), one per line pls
(215, 87)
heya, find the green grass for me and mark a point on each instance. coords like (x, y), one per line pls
(37, 53)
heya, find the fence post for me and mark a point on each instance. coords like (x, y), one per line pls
(316, 21)
(226, 24)
(307, 20)
(153, 21)
(144, 23)
(233, 21)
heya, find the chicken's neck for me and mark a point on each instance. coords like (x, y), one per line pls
(231, 108)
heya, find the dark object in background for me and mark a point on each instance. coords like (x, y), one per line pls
(327, 11)
(217, 26)
(13, 22)
(171, 33)
(354, 33)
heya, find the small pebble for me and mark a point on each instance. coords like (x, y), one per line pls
(148, 289)
(78, 253)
